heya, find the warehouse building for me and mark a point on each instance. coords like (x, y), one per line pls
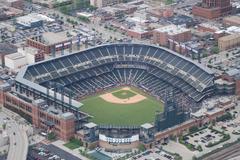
(228, 42)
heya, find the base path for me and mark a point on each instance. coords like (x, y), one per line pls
(109, 97)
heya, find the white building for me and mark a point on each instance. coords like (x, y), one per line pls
(104, 3)
(32, 20)
(24, 56)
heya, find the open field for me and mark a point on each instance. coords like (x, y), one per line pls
(132, 114)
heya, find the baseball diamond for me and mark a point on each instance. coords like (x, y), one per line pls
(134, 110)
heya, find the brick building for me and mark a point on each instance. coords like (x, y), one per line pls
(208, 27)
(19, 4)
(211, 9)
(139, 33)
(233, 76)
(162, 12)
(171, 32)
(46, 117)
(50, 42)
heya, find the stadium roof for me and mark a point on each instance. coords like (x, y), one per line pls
(208, 70)
(42, 89)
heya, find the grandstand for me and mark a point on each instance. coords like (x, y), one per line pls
(151, 68)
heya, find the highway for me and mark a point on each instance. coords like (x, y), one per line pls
(18, 139)
(18, 147)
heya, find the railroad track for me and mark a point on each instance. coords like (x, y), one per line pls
(225, 154)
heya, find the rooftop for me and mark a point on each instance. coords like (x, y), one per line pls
(210, 25)
(221, 82)
(233, 72)
(68, 115)
(138, 29)
(6, 48)
(90, 125)
(28, 50)
(234, 19)
(233, 30)
(54, 38)
(147, 126)
(15, 56)
(52, 109)
(229, 37)
(34, 17)
(172, 29)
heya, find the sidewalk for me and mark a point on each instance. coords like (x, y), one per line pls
(75, 152)
(175, 147)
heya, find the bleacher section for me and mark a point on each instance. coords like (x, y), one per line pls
(151, 68)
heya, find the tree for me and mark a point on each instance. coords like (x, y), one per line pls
(84, 19)
(141, 148)
(215, 50)
(65, 9)
(193, 129)
(199, 148)
(4, 126)
(167, 2)
(51, 136)
(194, 158)
(226, 116)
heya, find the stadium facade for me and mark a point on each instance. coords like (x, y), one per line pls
(49, 93)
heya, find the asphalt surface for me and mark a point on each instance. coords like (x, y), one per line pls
(18, 148)
(53, 150)
(3, 157)
(61, 153)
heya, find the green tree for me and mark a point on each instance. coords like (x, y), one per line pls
(193, 129)
(194, 158)
(51, 136)
(199, 148)
(65, 9)
(141, 148)
(4, 126)
(84, 19)
(215, 50)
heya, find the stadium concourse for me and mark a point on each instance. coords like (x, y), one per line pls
(55, 88)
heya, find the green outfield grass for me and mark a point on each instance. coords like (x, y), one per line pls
(123, 94)
(122, 114)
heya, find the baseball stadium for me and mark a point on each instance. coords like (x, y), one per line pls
(118, 89)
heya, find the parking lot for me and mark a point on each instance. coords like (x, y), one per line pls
(155, 154)
(204, 137)
(232, 126)
(48, 152)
